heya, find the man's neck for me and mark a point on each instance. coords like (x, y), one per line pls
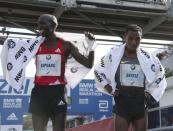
(130, 54)
(51, 37)
(51, 40)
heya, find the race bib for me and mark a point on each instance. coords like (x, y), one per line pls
(49, 65)
(131, 75)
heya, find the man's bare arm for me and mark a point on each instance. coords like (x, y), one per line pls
(71, 49)
(2, 39)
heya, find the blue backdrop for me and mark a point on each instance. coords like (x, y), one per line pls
(85, 100)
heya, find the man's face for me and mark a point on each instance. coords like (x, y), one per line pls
(44, 26)
(132, 40)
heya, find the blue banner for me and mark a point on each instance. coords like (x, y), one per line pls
(85, 100)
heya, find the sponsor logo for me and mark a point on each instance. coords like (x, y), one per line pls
(61, 103)
(153, 68)
(11, 44)
(9, 66)
(145, 53)
(19, 75)
(132, 75)
(102, 62)
(48, 57)
(159, 80)
(8, 90)
(83, 101)
(27, 41)
(88, 89)
(58, 50)
(12, 103)
(99, 78)
(12, 116)
(20, 52)
(25, 59)
(31, 48)
(132, 67)
(104, 76)
(74, 69)
(160, 66)
(110, 58)
(103, 105)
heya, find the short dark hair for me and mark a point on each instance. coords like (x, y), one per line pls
(51, 18)
(133, 27)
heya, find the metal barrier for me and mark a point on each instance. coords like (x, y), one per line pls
(161, 119)
(140, 1)
(147, 1)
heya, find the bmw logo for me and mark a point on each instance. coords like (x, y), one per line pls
(74, 69)
(158, 80)
(153, 68)
(11, 44)
(133, 67)
(103, 75)
(48, 57)
(9, 66)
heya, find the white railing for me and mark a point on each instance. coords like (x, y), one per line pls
(164, 122)
(147, 1)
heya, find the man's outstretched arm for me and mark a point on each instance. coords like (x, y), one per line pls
(86, 61)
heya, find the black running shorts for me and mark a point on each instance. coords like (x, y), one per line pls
(130, 108)
(48, 100)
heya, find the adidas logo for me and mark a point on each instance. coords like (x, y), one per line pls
(61, 103)
(58, 50)
(12, 116)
